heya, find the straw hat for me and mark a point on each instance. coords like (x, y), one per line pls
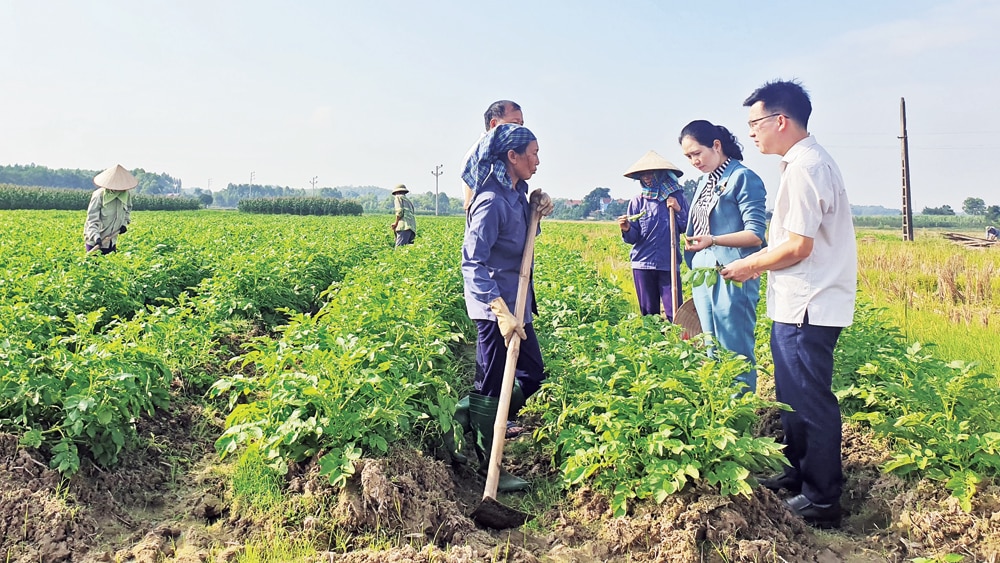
(116, 179)
(651, 161)
(686, 316)
(400, 189)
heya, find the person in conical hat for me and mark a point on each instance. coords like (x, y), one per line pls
(405, 225)
(110, 209)
(646, 226)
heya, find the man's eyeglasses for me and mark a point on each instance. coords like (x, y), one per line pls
(755, 123)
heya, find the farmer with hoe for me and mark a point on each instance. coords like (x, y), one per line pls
(727, 222)
(498, 113)
(110, 209)
(497, 225)
(647, 227)
(405, 225)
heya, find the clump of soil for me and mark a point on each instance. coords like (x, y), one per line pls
(39, 521)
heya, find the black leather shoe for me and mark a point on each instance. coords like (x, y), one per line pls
(818, 516)
(782, 481)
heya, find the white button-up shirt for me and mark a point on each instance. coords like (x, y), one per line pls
(812, 202)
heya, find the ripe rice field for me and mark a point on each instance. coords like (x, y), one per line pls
(233, 387)
(937, 291)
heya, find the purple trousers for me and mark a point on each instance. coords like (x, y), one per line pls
(491, 357)
(653, 287)
(405, 237)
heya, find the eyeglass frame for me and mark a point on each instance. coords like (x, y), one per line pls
(753, 123)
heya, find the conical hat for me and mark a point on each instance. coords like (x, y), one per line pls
(116, 178)
(686, 316)
(651, 161)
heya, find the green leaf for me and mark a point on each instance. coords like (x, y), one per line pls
(103, 416)
(31, 439)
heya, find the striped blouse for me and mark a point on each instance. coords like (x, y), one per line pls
(706, 199)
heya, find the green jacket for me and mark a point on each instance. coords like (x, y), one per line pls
(405, 217)
(107, 212)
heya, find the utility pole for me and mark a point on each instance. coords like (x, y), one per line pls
(251, 176)
(313, 182)
(437, 173)
(907, 209)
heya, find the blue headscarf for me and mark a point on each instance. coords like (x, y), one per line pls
(664, 183)
(491, 155)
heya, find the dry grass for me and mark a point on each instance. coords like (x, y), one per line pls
(939, 292)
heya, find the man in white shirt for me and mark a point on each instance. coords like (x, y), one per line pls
(499, 112)
(811, 258)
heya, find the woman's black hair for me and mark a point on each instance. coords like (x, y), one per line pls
(706, 134)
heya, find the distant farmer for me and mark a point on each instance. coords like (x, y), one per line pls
(499, 112)
(110, 209)
(992, 233)
(405, 225)
(646, 226)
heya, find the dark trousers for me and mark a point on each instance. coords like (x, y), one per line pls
(491, 357)
(653, 287)
(405, 237)
(108, 250)
(803, 375)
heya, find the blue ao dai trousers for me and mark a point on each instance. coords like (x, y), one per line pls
(729, 314)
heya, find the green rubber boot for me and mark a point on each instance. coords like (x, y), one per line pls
(462, 415)
(482, 415)
(461, 424)
(452, 448)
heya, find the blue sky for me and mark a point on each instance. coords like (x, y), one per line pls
(379, 93)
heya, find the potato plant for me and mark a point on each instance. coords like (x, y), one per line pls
(938, 415)
(632, 409)
(345, 346)
(373, 367)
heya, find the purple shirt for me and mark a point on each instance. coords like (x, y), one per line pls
(650, 235)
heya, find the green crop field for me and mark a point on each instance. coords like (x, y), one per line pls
(311, 340)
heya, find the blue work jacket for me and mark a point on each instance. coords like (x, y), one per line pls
(496, 228)
(650, 234)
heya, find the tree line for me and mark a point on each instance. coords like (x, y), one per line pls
(150, 183)
(971, 206)
(23, 197)
(597, 204)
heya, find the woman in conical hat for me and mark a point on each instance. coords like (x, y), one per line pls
(110, 209)
(646, 226)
